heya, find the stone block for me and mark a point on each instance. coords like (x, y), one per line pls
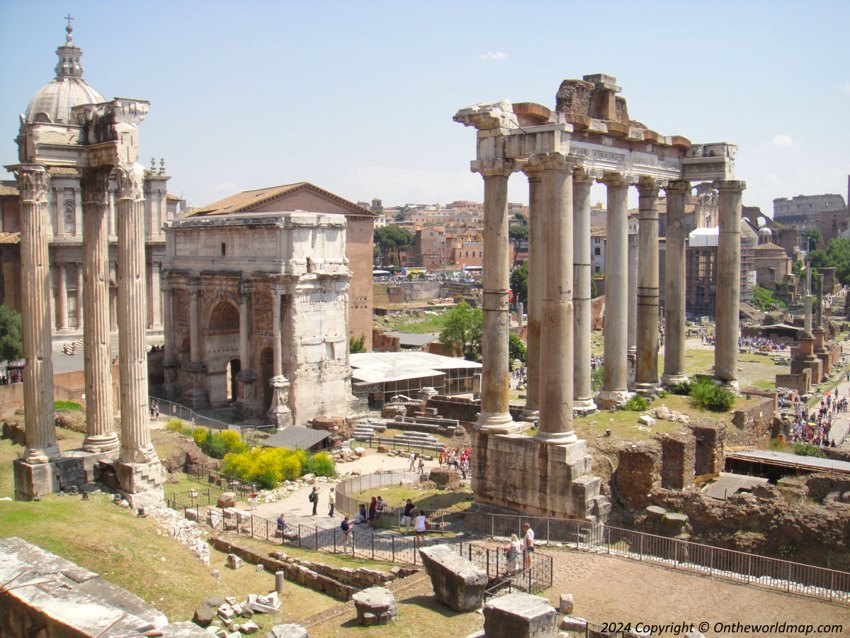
(638, 473)
(267, 604)
(678, 454)
(444, 478)
(203, 615)
(646, 420)
(565, 604)
(34, 479)
(457, 582)
(226, 499)
(249, 627)
(520, 615)
(234, 562)
(287, 631)
(375, 605)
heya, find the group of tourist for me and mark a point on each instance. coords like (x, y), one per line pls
(14, 377)
(517, 548)
(410, 517)
(455, 458)
(758, 344)
(813, 425)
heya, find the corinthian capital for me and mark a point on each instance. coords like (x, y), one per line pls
(129, 179)
(553, 161)
(95, 186)
(494, 167)
(32, 184)
(488, 116)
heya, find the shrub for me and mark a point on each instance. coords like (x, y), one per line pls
(682, 389)
(707, 395)
(807, 449)
(175, 425)
(321, 464)
(597, 378)
(66, 405)
(269, 466)
(637, 403)
(199, 435)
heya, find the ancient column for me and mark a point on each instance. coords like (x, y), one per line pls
(245, 378)
(614, 389)
(728, 282)
(646, 369)
(495, 369)
(41, 444)
(279, 412)
(536, 239)
(100, 428)
(674, 285)
(170, 362)
(556, 326)
(194, 321)
(582, 392)
(156, 297)
(80, 302)
(631, 332)
(244, 297)
(132, 344)
(62, 296)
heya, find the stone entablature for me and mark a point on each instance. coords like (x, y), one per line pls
(258, 314)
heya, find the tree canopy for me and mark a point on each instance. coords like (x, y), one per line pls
(519, 284)
(462, 330)
(11, 344)
(391, 240)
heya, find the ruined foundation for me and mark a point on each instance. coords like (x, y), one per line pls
(536, 478)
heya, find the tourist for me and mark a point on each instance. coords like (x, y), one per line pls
(314, 498)
(362, 517)
(331, 501)
(412, 462)
(464, 467)
(380, 504)
(420, 524)
(253, 500)
(421, 467)
(407, 515)
(373, 512)
(347, 535)
(281, 524)
(513, 550)
(528, 544)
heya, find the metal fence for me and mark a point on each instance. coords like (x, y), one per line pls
(429, 449)
(386, 546)
(773, 573)
(251, 434)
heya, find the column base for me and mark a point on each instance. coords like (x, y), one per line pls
(608, 399)
(584, 406)
(646, 389)
(36, 456)
(101, 443)
(141, 483)
(532, 415)
(674, 378)
(731, 385)
(556, 438)
(498, 423)
(281, 417)
(34, 479)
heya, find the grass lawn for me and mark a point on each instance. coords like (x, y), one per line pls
(429, 500)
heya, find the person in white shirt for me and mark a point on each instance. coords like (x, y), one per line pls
(528, 544)
(420, 524)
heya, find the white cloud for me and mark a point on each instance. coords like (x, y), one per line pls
(782, 140)
(492, 56)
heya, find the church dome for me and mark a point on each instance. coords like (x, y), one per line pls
(54, 101)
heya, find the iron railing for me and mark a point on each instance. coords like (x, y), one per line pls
(764, 571)
(429, 449)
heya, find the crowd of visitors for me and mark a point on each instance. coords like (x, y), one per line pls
(813, 425)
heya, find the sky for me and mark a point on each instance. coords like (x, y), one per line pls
(357, 97)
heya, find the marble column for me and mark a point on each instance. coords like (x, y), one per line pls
(556, 325)
(194, 325)
(495, 415)
(136, 444)
(582, 391)
(632, 267)
(246, 377)
(646, 369)
(80, 302)
(534, 286)
(615, 386)
(156, 297)
(41, 446)
(728, 282)
(280, 412)
(170, 363)
(100, 428)
(674, 285)
(196, 395)
(62, 296)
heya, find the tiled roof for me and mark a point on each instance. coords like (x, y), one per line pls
(248, 200)
(9, 187)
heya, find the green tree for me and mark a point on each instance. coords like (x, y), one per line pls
(391, 240)
(813, 238)
(516, 348)
(357, 344)
(519, 284)
(11, 344)
(462, 330)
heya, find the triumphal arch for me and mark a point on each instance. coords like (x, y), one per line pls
(256, 315)
(587, 137)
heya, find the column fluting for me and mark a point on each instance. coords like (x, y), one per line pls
(674, 285)
(535, 281)
(582, 391)
(646, 367)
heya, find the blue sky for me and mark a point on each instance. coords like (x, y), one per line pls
(358, 97)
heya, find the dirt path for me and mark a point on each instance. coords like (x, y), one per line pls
(612, 589)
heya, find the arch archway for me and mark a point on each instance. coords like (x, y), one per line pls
(221, 349)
